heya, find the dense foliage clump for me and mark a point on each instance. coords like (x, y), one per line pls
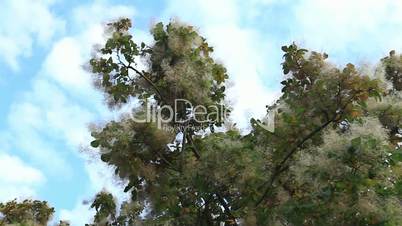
(27, 212)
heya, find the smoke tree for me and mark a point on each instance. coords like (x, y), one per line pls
(333, 157)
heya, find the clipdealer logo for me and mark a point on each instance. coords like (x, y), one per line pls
(200, 114)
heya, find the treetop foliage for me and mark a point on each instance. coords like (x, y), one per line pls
(178, 66)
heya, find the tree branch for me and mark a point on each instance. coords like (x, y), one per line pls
(280, 167)
(227, 209)
(142, 75)
(148, 80)
(194, 149)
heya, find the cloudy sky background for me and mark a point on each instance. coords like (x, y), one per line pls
(47, 101)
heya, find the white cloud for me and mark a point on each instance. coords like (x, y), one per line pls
(100, 12)
(357, 30)
(13, 170)
(64, 66)
(18, 180)
(80, 215)
(36, 121)
(24, 23)
(101, 177)
(51, 117)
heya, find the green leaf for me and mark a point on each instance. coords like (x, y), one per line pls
(95, 143)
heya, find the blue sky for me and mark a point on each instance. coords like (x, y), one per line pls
(47, 102)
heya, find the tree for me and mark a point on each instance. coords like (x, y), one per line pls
(393, 70)
(25, 213)
(107, 214)
(333, 157)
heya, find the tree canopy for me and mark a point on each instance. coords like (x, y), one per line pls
(27, 212)
(334, 157)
